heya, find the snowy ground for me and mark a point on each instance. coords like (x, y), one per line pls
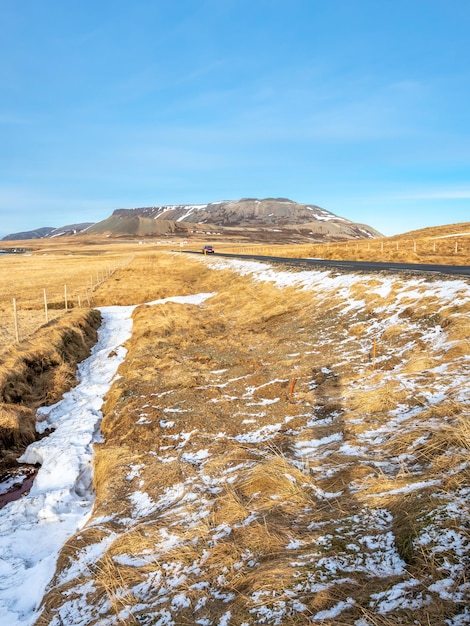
(362, 544)
(34, 528)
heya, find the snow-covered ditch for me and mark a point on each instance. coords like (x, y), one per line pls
(34, 528)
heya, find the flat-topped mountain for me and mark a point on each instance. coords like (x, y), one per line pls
(270, 219)
(245, 212)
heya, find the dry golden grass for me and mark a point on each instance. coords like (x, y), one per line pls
(37, 372)
(202, 377)
(17, 426)
(113, 582)
(445, 245)
(176, 331)
(420, 364)
(394, 334)
(430, 446)
(28, 275)
(458, 326)
(275, 482)
(33, 372)
(82, 263)
(379, 399)
(109, 463)
(461, 229)
(65, 278)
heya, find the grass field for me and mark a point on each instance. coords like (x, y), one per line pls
(444, 245)
(293, 451)
(64, 273)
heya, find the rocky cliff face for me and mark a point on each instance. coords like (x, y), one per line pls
(270, 219)
(245, 212)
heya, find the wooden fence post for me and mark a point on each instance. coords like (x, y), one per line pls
(45, 306)
(15, 315)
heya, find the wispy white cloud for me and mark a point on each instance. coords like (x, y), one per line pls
(449, 193)
(312, 108)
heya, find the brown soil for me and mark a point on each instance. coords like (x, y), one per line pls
(36, 373)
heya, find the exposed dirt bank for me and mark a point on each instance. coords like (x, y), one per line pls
(36, 373)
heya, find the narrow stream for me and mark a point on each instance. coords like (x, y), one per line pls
(16, 482)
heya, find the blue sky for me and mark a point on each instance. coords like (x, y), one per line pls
(358, 106)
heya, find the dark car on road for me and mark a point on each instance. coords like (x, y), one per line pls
(208, 250)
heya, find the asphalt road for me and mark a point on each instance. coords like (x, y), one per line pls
(356, 266)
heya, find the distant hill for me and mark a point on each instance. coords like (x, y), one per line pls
(461, 229)
(39, 233)
(48, 232)
(270, 219)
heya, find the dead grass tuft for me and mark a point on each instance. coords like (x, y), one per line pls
(113, 581)
(110, 463)
(274, 484)
(457, 350)
(419, 364)
(17, 426)
(359, 330)
(394, 334)
(229, 509)
(383, 397)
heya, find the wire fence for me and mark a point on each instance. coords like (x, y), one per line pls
(455, 249)
(37, 306)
